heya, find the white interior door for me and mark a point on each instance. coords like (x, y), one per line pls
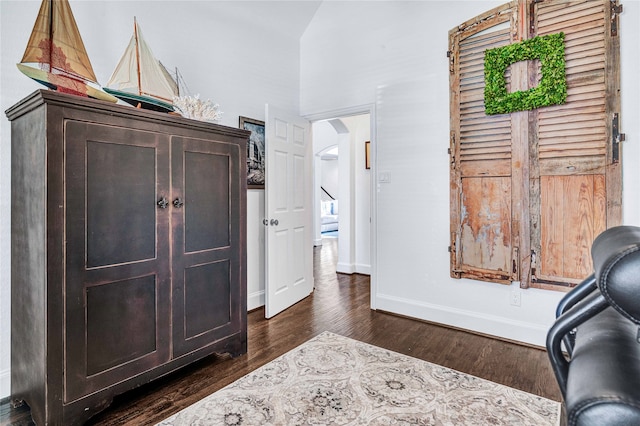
(289, 210)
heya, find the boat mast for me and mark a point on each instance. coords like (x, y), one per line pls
(177, 81)
(135, 34)
(49, 59)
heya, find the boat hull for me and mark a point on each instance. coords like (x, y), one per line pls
(141, 101)
(62, 83)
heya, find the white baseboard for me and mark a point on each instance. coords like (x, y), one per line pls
(255, 300)
(350, 268)
(345, 268)
(363, 269)
(5, 384)
(506, 328)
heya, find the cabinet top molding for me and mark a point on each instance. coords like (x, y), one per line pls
(50, 97)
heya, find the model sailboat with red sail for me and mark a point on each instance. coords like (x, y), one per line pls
(55, 55)
(140, 79)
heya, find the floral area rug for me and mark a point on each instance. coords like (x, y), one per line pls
(334, 380)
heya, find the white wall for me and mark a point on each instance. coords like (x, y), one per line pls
(221, 56)
(393, 54)
(329, 173)
(360, 131)
(255, 249)
(630, 94)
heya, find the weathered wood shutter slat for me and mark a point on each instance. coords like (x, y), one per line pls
(565, 11)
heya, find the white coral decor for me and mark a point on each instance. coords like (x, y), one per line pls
(197, 109)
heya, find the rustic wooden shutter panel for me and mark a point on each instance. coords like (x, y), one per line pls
(481, 192)
(574, 174)
(531, 190)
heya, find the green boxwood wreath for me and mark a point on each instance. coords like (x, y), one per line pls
(552, 89)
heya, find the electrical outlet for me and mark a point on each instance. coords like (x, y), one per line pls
(516, 296)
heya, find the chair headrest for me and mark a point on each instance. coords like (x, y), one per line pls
(616, 260)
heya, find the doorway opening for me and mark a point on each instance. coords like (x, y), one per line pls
(329, 185)
(342, 189)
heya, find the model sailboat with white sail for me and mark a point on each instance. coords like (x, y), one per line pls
(55, 55)
(140, 79)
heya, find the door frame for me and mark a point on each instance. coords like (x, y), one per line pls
(359, 110)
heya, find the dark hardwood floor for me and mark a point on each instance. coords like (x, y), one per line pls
(340, 304)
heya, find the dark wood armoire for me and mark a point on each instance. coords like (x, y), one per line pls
(128, 239)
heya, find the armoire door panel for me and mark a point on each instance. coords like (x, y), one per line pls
(207, 298)
(121, 322)
(206, 252)
(206, 195)
(114, 234)
(117, 287)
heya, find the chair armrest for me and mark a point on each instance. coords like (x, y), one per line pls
(576, 294)
(582, 290)
(586, 308)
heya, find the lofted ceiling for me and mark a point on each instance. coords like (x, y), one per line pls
(289, 18)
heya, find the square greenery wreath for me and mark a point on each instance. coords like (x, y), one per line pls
(551, 90)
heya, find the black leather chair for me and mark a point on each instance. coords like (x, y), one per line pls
(599, 370)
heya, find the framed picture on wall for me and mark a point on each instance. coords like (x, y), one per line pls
(255, 152)
(367, 155)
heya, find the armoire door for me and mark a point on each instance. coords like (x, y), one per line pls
(117, 287)
(206, 250)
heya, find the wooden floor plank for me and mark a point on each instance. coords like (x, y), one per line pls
(339, 304)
